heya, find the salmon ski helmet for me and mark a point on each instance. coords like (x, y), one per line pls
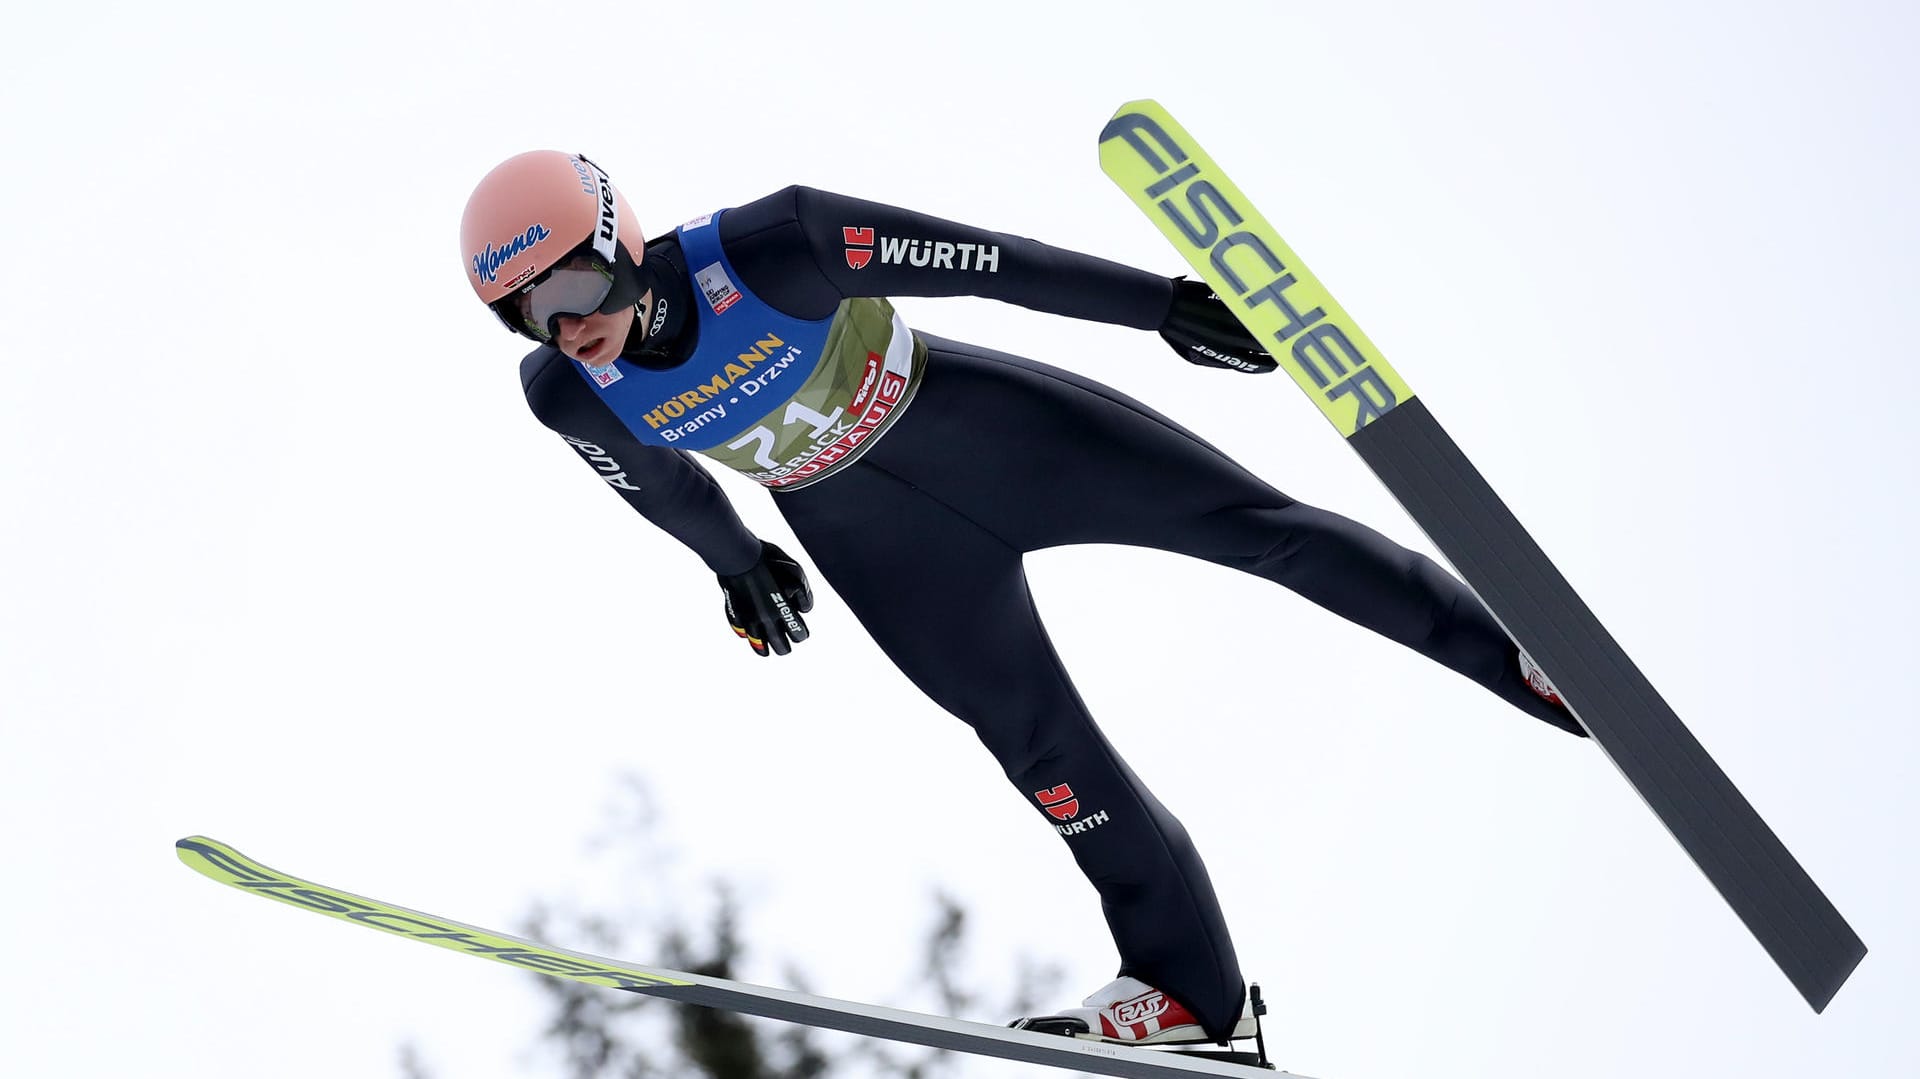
(546, 235)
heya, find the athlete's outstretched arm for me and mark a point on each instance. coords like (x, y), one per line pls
(805, 250)
(664, 485)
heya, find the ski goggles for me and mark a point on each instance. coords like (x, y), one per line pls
(577, 288)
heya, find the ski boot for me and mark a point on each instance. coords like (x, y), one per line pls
(1128, 1011)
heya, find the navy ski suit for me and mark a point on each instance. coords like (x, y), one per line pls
(922, 534)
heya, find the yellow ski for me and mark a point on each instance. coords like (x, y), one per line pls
(216, 860)
(1215, 227)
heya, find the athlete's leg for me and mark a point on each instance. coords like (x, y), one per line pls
(947, 601)
(1047, 458)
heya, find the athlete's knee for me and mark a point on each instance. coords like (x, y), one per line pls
(1025, 743)
(1298, 541)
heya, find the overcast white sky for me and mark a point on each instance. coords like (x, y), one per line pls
(286, 561)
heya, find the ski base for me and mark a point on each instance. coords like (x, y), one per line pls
(1629, 720)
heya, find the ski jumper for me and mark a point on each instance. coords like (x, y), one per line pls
(918, 471)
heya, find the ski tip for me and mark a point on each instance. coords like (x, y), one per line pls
(200, 853)
(1128, 117)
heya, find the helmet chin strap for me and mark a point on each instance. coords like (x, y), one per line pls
(637, 333)
(656, 326)
(629, 283)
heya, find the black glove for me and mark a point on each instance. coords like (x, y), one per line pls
(1203, 331)
(765, 603)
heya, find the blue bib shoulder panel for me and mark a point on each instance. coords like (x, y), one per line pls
(743, 343)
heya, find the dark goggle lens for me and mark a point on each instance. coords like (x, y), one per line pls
(574, 293)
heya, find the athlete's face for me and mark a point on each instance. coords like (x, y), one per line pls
(594, 339)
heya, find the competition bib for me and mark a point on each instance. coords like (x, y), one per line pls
(781, 399)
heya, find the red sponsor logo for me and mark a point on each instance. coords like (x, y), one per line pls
(1059, 802)
(875, 362)
(859, 246)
